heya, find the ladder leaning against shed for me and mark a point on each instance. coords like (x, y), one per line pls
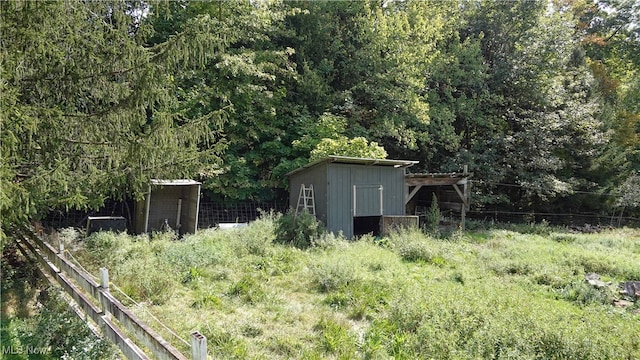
(306, 201)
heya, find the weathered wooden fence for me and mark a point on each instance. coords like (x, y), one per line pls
(97, 303)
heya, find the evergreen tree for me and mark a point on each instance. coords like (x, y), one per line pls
(89, 109)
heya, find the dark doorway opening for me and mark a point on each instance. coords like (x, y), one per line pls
(366, 225)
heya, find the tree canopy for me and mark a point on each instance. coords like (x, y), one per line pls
(540, 99)
(91, 111)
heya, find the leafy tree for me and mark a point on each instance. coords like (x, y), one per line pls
(90, 112)
(246, 78)
(544, 101)
(343, 146)
(629, 192)
(610, 34)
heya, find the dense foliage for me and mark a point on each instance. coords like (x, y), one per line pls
(37, 321)
(300, 230)
(90, 111)
(540, 99)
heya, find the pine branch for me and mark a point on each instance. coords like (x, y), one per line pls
(103, 143)
(79, 78)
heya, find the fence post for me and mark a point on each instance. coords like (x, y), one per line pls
(198, 346)
(61, 247)
(104, 284)
(104, 279)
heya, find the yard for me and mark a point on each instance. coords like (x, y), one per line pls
(512, 292)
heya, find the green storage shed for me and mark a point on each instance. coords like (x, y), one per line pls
(351, 195)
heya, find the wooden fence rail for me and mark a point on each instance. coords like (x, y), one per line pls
(101, 307)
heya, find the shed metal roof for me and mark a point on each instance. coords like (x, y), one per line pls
(175, 182)
(356, 161)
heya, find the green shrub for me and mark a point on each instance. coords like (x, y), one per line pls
(299, 230)
(564, 238)
(413, 245)
(168, 235)
(206, 300)
(69, 235)
(550, 277)
(541, 228)
(277, 262)
(329, 240)
(596, 264)
(254, 239)
(582, 293)
(56, 332)
(197, 251)
(361, 300)
(101, 242)
(432, 220)
(108, 249)
(508, 267)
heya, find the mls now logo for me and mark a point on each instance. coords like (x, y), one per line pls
(17, 350)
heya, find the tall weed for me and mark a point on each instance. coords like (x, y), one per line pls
(336, 338)
(413, 245)
(331, 275)
(147, 280)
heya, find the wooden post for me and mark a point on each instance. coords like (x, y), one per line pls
(463, 215)
(198, 346)
(104, 279)
(178, 215)
(61, 247)
(104, 284)
(465, 198)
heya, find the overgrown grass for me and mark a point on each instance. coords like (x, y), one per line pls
(489, 293)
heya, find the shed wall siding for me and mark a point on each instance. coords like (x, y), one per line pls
(317, 176)
(163, 204)
(367, 179)
(334, 192)
(340, 196)
(393, 181)
(140, 208)
(190, 208)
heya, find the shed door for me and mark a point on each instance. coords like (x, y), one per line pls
(367, 200)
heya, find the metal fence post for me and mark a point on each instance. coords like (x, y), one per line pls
(198, 346)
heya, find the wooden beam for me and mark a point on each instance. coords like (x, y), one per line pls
(412, 194)
(462, 195)
(415, 181)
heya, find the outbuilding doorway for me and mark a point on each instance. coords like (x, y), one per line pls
(363, 225)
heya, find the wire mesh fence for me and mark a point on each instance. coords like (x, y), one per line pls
(558, 219)
(59, 218)
(213, 213)
(210, 215)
